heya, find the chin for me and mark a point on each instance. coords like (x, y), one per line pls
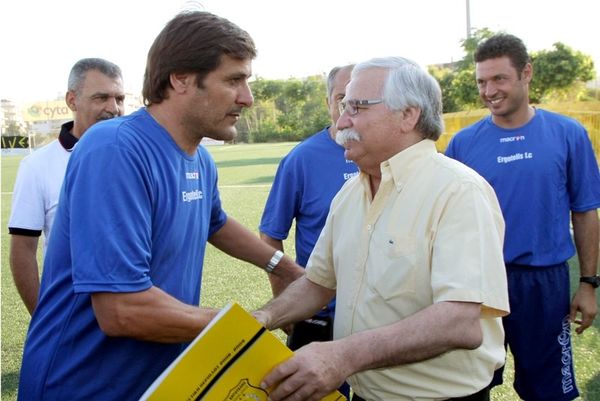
(230, 135)
(227, 135)
(349, 155)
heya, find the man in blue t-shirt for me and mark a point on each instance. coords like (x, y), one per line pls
(543, 169)
(121, 283)
(306, 181)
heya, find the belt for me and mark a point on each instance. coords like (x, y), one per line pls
(483, 395)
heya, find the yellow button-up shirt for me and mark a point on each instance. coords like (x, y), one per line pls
(432, 233)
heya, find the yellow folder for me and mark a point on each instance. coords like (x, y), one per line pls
(226, 362)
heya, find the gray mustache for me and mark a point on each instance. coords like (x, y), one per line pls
(107, 116)
(346, 135)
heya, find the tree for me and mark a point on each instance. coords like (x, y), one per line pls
(285, 110)
(444, 76)
(558, 70)
(457, 80)
(557, 74)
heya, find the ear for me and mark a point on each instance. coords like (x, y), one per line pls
(527, 73)
(410, 117)
(70, 100)
(180, 82)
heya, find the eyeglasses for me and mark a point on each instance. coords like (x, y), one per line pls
(352, 106)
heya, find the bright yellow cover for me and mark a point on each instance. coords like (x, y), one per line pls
(226, 362)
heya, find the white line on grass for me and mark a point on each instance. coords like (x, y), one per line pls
(220, 186)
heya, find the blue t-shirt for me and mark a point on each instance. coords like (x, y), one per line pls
(135, 211)
(307, 180)
(540, 172)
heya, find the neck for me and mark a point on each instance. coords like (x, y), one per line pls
(170, 120)
(76, 131)
(516, 119)
(374, 181)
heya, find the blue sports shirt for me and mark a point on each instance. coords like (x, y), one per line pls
(135, 212)
(540, 172)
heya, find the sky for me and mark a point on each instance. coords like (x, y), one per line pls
(42, 39)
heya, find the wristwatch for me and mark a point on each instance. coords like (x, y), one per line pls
(594, 281)
(275, 259)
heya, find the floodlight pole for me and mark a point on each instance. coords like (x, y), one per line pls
(468, 20)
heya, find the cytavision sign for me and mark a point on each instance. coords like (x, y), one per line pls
(47, 111)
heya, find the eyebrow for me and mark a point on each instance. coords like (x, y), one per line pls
(502, 74)
(107, 94)
(238, 75)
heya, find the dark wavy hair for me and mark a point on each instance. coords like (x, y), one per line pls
(192, 42)
(501, 45)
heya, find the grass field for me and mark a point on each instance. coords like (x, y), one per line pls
(245, 175)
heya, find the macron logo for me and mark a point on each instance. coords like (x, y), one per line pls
(512, 138)
(192, 195)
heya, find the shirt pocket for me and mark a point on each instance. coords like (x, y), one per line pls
(391, 271)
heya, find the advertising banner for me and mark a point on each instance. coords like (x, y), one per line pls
(47, 111)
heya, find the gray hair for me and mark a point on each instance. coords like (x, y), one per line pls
(409, 85)
(77, 74)
(331, 78)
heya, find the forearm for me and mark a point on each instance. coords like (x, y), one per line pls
(318, 368)
(275, 243)
(239, 242)
(299, 301)
(440, 328)
(586, 236)
(24, 268)
(585, 232)
(277, 284)
(151, 315)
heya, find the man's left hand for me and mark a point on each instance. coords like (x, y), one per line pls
(584, 302)
(312, 373)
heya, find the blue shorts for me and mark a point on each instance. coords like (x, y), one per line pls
(538, 333)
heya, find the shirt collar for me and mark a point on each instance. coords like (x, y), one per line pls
(401, 166)
(66, 138)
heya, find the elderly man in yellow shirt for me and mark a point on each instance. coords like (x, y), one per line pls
(412, 249)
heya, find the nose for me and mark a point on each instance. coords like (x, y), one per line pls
(344, 121)
(489, 89)
(114, 107)
(245, 97)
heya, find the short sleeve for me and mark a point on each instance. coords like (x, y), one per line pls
(467, 261)
(27, 202)
(283, 201)
(120, 207)
(583, 173)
